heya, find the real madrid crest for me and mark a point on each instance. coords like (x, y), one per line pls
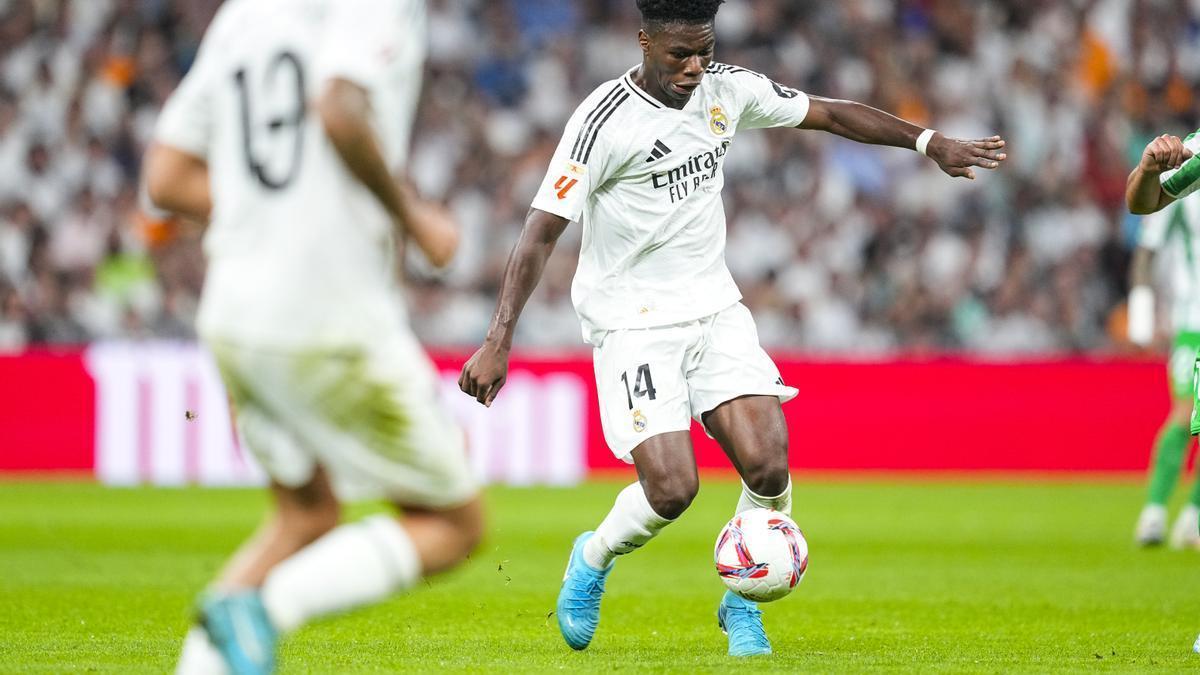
(639, 421)
(717, 121)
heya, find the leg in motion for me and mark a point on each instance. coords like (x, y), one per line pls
(753, 433)
(1169, 449)
(667, 483)
(301, 516)
(365, 562)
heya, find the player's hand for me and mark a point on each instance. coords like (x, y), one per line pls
(957, 157)
(485, 373)
(431, 225)
(1163, 154)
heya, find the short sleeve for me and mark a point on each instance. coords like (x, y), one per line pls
(363, 37)
(187, 118)
(1156, 226)
(585, 157)
(1185, 180)
(767, 104)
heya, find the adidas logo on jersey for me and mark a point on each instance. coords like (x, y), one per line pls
(660, 150)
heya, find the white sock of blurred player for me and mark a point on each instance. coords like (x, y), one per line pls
(781, 502)
(628, 526)
(354, 565)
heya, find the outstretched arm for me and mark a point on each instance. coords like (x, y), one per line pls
(865, 124)
(484, 374)
(1143, 191)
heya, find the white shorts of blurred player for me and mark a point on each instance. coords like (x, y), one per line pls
(653, 381)
(368, 413)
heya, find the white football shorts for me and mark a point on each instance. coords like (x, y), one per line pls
(652, 381)
(369, 414)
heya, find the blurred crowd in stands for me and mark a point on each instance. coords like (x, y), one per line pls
(838, 247)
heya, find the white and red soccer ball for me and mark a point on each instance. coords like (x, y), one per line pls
(761, 555)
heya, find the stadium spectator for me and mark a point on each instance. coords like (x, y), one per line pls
(836, 250)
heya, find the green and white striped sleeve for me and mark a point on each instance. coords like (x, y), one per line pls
(1185, 180)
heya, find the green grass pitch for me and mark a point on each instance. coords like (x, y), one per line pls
(932, 575)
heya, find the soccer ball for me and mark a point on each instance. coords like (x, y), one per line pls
(761, 555)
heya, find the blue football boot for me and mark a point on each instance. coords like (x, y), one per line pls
(238, 627)
(578, 606)
(742, 622)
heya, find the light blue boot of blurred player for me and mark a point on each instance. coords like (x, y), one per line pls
(238, 627)
(742, 622)
(578, 607)
(1196, 645)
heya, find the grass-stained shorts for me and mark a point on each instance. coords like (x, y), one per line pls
(369, 413)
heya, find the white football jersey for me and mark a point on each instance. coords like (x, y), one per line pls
(644, 180)
(1174, 233)
(300, 253)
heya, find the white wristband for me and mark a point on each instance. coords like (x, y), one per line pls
(1141, 315)
(923, 140)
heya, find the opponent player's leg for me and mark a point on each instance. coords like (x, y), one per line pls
(667, 483)
(1185, 533)
(1169, 446)
(753, 433)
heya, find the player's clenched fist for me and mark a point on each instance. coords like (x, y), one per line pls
(485, 373)
(1163, 154)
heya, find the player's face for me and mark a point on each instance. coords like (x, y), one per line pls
(675, 59)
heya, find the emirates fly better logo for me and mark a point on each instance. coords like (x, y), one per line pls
(686, 178)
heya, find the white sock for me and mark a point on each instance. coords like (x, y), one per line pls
(781, 502)
(199, 657)
(628, 526)
(354, 565)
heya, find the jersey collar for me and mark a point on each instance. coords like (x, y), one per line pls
(629, 84)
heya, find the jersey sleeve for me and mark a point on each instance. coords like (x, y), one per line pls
(585, 158)
(187, 118)
(766, 103)
(1185, 180)
(1153, 234)
(363, 37)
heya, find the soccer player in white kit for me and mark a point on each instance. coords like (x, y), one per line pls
(290, 135)
(639, 166)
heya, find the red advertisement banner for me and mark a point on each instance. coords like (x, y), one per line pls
(155, 413)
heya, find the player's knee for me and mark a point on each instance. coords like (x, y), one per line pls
(768, 476)
(471, 534)
(1181, 412)
(468, 526)
(670, 499)
(308, 525)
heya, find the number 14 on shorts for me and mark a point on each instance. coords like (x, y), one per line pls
(643, 384)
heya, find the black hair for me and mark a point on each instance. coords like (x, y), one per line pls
(656, 13)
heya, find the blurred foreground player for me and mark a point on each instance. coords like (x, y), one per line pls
(1175, 232)
(640, 167)
(295, 115)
